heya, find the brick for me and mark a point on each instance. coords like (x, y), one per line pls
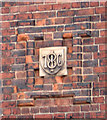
(65, 13)
(100, 10)
(5, 10)
(81, 19)
(84, 4)
(39, 81)
(44, 7)
(44, 110)
(99, 69)
(7, 96)
(85, 11)
(100, 40)
(50, 21)
(76, 5)
(20, 60)
(94, 4)
(103, 47)
(103, 62)
(59, 116)
(8, 61)
(21, 74)
(17, 53)
(82, 100)
(94, 107)
(90, 78)
(8, 75)
(98, 100)
(25, 110)
(90, 48)
(8, 90)
(85, 108)
(49, 116)
(99, 85)
(30, 52)
(20, 95)
(44, 15)
(23, 16)
(32, 8)
(7, 111)
(48, 36)
(21, 45)
(74, 64)
(103, 32)
(41, 22)
(22, 37)
(32, 66)
(18, 67)
(67, 35)
(72, 79)
(16, 111)
(88, 41)
(95, 18)
(25, 103)
(35, 110)
(75, 115)
(9, 104)
(78, 26)
(26, 22)
(100, 25)
(44, 102)
(63, 109)
(5, 25)
(93, 63)
(103, 17)
(8, 32)
(87, 71)
(62, 101)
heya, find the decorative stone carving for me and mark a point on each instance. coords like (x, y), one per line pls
(52, 61)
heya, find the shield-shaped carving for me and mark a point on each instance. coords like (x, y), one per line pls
(52, 61)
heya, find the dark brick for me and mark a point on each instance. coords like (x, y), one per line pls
(90, 48)
(92, 63)
(7, 90)
(81, 19)
(18, 67)
(84, 4)
(26, 22)
(18, 53)
(20, 60)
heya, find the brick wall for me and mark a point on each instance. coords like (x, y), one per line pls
(29, 26)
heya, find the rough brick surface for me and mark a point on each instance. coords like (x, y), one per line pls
(28, 26)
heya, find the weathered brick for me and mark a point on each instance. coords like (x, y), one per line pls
(25, 103)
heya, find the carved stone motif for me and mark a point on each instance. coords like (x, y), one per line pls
(52, 61)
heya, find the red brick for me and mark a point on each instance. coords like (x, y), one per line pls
(8, 32)
(44, 7)
(9, 104)
(21, 45)
(100, 69)
(103, 47)
(76, 5)
(7, 111)
(98, 100)
(47, 116)
(41, 22)
(85, 11)
(59, 115)
(100, 10)
(22, 37)
(94, 4)
(8, 75)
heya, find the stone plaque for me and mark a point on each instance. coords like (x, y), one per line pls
(52, 61)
